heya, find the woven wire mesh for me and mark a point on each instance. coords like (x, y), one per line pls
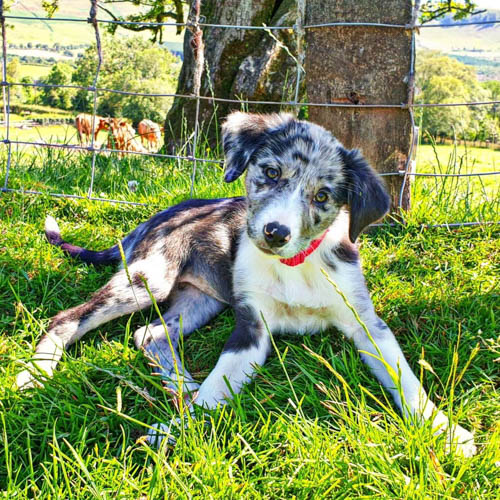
(195, 25)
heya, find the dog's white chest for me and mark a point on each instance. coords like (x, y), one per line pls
(296, 299)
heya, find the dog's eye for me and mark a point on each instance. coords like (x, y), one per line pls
(321, 197)
(272, 173)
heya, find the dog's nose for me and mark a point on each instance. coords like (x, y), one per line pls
(276, 235)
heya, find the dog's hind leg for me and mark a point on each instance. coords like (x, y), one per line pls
(119, 296)
(189, 309)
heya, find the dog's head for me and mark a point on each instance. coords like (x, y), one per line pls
(298, 179)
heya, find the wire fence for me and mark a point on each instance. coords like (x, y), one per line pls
(195, 24)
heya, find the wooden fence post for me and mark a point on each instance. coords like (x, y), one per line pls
(363, 65)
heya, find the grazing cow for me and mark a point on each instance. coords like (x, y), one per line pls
(123, 137)
(83, 124)
(150, 134)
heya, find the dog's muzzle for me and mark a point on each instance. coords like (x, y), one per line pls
(276, 235)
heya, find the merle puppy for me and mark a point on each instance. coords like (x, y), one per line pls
(308, 199)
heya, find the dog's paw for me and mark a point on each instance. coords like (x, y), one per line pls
(461, 441)
(458, 439)
(25, 380)
(213, 393)
(183, 384)
(165, 432)
(142, 336)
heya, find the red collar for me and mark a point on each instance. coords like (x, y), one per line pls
(301, 256)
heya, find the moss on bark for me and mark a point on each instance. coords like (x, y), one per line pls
(239, 64)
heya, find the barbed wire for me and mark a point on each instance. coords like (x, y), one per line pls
(198, 48)
(195, 24)
(250, 102)
(263, 27)
(5, 94)
(219, 162)
(95, 24)
(410, 95)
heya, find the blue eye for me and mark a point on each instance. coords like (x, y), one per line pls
(321, 197)
(272, 173)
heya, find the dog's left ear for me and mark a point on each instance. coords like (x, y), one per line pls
(242, 135)
(364, 192)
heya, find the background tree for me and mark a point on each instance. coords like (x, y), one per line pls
(13, 75)
(492, 125)
(441, 79)
(435, 9)
(29, 94)
(253, 65)
(130, 65)
(13, 69)
(60, 74)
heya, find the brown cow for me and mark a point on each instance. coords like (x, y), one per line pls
(123, 136)
(149, 132)
(83, 124)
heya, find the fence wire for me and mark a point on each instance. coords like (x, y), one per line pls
(195, 23)
(242, 27)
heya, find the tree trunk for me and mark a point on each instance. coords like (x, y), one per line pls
(239, 64)
(363, 65)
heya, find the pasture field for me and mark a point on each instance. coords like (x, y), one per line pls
(35, 71)
(314, 423)
(68, 33)
(53, 134)
(439, 200)
(32, 112)
(474, 159)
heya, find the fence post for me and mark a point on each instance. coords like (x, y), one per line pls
(363, 65)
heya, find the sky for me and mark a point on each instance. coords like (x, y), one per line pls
(489, 4)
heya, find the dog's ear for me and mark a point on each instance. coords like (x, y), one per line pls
(364, 192)
(242, 135)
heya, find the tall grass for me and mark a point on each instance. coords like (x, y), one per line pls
(456, 199)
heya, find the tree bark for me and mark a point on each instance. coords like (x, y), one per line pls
(363, 65)
(239, 64)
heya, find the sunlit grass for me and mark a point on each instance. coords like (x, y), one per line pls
(455, 199)
(35, 71)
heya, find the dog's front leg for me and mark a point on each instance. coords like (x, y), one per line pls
(247, 347)
(383, 355)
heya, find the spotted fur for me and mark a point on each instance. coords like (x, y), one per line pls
(204, 255)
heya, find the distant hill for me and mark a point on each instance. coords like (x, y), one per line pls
(478, 46)
(36, 30)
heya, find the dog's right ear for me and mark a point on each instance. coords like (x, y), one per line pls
(242, 135)
(365, 194)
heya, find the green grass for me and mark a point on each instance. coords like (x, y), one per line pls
(439, 199)
(481, 159)
(35, 71)
(335, 435)
(53, 134)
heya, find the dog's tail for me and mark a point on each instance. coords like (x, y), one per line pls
(53, 234)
